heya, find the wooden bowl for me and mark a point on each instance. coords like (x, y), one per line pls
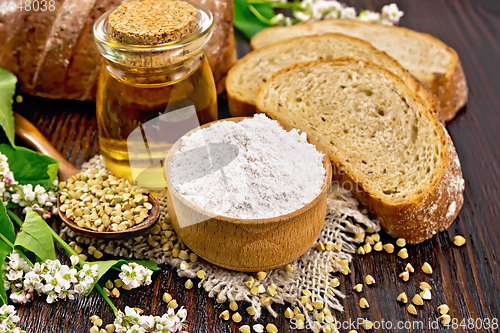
(248, 245)
(140, 229)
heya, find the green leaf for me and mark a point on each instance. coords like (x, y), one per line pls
(7, 89)
(246, 22)
(30, 167)
(104, 266)
(35, 237)
(7, 230)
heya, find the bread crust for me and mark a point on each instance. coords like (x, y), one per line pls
(415, 220)
(240, 106)
(450, 87)
(451, 90)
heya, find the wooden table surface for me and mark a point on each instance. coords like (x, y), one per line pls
(467, 278)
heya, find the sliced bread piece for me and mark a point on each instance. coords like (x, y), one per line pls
(253, 70)
(386, 146)
(428, 59)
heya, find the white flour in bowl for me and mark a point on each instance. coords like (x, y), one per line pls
(251, 169)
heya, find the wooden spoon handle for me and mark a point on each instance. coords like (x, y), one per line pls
(29, 133)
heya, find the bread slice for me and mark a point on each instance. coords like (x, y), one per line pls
(428, 59)
(253, 70)
(385, 145)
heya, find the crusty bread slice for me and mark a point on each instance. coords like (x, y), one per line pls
(428, 59)
(386, 146)
(253, 70)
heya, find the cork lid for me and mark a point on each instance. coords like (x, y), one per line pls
(152, 22)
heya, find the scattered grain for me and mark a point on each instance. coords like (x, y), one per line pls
(173, 304)
(271, 328)
(363, 303)
(443, 309)
(424, 285)
(367, 325)
(403, 253)
(417, 300)
(318, 305)
(389, 248)
(236, 317)
(358, 287)
(426, 268)
(233, 306)
(244, 329)
(369, 240)
(369, 280)
(367, 247)
(258, 328)
(426, 294)
(188, 284)
(445, 319)
(458, 240)
(411, 310)
(335, 282)
(224, 315)
(403, 298)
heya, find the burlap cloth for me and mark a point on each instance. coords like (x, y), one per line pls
(313, 271)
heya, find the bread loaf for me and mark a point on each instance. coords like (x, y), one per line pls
(384, 143)
(53, 53)
(428, 59)
(254, 69)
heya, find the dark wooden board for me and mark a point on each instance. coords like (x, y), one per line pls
(467, 279)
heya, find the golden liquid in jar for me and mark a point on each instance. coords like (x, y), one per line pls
(128, 102)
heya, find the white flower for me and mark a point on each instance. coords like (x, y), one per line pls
(67, 293)
(14, 275)
(135, 275)
(278, 19)
(51, 297)
(130, 276)
(66, 276)
(131, 321)
(392, 13)
(24, 195)
(369, 16)
(16, 198)
(348, 12)
(131, 313)
(88, 273)
(28, 193)
(53, 265)
(33, 281)
(52, 284)
(74, 260)
(136, 329)
(16, 261)
(38, 268)
(301, 16)
(81, 288)
(20, 296)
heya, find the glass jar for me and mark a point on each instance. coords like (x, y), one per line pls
(148, 96)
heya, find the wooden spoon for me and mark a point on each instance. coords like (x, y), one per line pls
(29, 133)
